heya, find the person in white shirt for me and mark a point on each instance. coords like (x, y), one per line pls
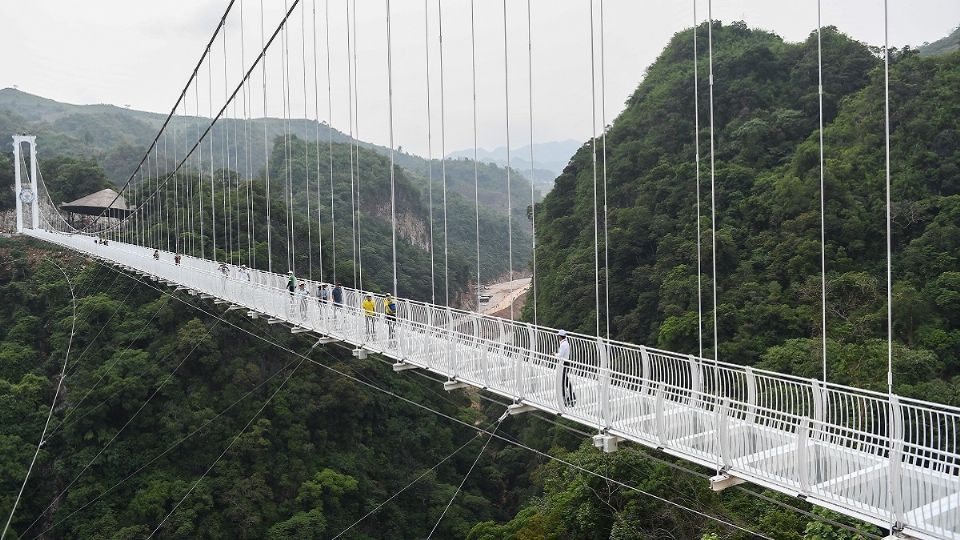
(563, 357)
(301, 296)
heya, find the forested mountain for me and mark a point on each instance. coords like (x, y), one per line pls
(328, 449)
(116, 138)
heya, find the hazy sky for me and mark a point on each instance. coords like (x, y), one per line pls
(140, 53)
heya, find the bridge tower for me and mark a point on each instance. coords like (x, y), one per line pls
(26, 195)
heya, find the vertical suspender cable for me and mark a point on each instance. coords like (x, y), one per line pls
(443, 156)
(696, 139)
(593, 150)
(476, 180)
(823, 234)
(333, 219)
(713, 221)
(426, 37)
(393, 197)
(506, 96)
(306, 136)
(288, 148)
(166, 172)
(533, 195)
(606, 211)
(213, 183)
(886, 115)
(316, 123)
(237, 169)
(266, 144)
(356, 114)
(713, 194)
(247, 96)
(176, 198)
(225, 161)
(196, 95)
(353, 192)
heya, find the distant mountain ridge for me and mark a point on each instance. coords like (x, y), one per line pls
(945, 45)
(549, 159)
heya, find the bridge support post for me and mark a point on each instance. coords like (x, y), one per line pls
(519, 408)
(32, 194)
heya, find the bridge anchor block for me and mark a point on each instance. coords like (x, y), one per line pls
(721, 482)
(452, 385)
(403, 366)
(608, 443)
(520, 408)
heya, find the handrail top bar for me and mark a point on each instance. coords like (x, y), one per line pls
(884, 398)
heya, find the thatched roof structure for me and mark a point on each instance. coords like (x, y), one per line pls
(95, 204)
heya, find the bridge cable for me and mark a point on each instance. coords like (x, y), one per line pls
(506, 100)
(248, 165)
(886, 114)
(238, 172)
(225, 171)
(713, 193)
(443, 156)
(593, 153)
(442, 414)
(267, 143)
(117, 434)
(306, 139)
(426, 40)
(53, 403)
(894, 500)
(356, 141)
(333, 218)
(533, 196)
(104, 369)
(196, 88)
(288, 151)
(823, 245)
(173, 111)
(606, 211)
(476, 176)
(213, 184)
(470, 470)
(225, 450)
(696, 134)
(350, 96)
(409, 484)
(393, 196)
(713, 236)
(316, 137)
(168, 449)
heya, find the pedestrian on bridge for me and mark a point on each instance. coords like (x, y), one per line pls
(563, 358)
(291, 282)
(156, 254)
(301, 295)
(337, 300)
(390, 313)
(176, 259)
(370, 316)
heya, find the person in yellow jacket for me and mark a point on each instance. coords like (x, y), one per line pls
(370, 315)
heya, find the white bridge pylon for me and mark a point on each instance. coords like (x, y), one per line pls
(887, 460)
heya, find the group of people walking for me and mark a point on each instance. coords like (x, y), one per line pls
(332, 294)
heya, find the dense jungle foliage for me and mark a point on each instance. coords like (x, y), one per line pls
(768, 212)
(326, 450)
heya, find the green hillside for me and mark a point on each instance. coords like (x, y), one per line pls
(116, 138)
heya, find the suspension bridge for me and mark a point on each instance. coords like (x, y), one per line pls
(885, 459)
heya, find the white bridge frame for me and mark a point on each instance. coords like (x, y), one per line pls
(884, 459)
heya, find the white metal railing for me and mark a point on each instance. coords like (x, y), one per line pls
(884, 459)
